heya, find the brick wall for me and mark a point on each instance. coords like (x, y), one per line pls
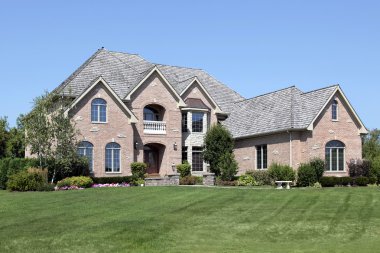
(117, 129)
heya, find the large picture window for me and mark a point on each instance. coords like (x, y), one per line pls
(197, 159)
(335, 156)
(261, 157)
(99, 110)
(85, 149)
(112, 157)
(197, 119)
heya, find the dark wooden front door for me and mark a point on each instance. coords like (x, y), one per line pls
(151, 159)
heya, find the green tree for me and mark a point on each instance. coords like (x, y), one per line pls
(50, 134)
(15, 146)
(218, 142)
(371, 145)
(3, 136)
(228, 166)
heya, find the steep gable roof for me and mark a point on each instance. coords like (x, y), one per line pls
(94, 83)
(124, 72)
(282, 110)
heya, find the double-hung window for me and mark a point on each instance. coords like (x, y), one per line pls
(197, 122)
(112, 161)
(261, 157)
(98, 110)
(197, 159)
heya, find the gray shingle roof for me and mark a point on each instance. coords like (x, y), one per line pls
(285, 109)
(123, 71)
(281, 110)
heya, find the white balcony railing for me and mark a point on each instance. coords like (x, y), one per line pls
(154, 127)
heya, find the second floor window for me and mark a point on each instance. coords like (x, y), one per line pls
(184, 122)
(334, 109)
(99, 110)
(261, 157)
(197, 119)
(151, 114)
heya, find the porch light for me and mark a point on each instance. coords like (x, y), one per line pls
(136, 144)
(175, 146)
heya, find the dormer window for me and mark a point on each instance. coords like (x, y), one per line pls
(98, 110)
(334, 109)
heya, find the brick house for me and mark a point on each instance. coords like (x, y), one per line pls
(128, 109)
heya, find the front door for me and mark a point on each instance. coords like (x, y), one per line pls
(151, 159)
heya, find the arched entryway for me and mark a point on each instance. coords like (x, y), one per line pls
(153, 154)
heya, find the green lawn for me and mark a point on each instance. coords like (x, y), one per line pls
(191, 219)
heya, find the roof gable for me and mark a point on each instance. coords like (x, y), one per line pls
(100, 80)
(181, 103)
(195, 81)
(362, 130)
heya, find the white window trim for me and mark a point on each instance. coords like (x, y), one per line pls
(262, 157)
(337, 160)
(92, 158)
(112, 160)
(98, 107)
(337, 110)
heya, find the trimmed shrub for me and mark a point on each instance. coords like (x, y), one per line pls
(375, 169)
(246, 180)
(25, 181)
(361, 181)
(112, 180)
(261, 177)
(221, 182)
(228, 166)
(281, 172)
(191, 180)
(138, 170)
(81, 181)
(319, 167)
(77, 166)
(184, 169)
(345, 181)
(372, 180)
(328, 181)
(307, 175)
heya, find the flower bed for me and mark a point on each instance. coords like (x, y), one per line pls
(110, 185)
(64, 188)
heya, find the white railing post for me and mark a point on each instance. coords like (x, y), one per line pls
(154, 127)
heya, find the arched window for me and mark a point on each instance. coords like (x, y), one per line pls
(98, 110)
(335, 156)
(112, 157)
(151, 114)
(334, 110)
(85, 149)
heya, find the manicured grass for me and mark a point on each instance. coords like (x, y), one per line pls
(191, 219)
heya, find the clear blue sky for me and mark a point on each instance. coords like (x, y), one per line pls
(252, 46)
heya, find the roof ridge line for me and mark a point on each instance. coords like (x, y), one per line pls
(123, 62)
(176, 66)
(79, 69)
(265, 94)
(323, 88)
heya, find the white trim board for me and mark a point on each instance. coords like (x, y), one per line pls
(132, 118)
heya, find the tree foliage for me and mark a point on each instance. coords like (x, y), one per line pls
(50, 134)
(228, 166)
(371, 145)
(3, 136)
(218, 142)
